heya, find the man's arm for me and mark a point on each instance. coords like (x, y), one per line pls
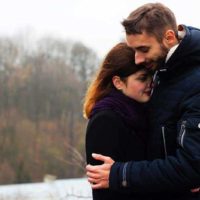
(178, 172)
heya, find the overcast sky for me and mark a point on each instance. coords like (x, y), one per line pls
(96, 23)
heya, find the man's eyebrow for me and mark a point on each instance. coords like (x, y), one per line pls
(142, 47)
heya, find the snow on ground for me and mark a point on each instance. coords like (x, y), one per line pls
(68, 189)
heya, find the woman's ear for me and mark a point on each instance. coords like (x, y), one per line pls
(117, 82)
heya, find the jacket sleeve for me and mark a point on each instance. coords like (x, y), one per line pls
(102, 136)
(178, 172)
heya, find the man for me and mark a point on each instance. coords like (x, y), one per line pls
(173, 165)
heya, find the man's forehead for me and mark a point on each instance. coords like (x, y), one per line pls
(140, 40)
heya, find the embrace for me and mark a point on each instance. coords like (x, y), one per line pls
(143, 134)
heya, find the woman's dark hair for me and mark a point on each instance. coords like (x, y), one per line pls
(118, 62)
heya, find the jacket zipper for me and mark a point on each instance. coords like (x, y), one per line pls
(182, 132)
(164, 140)
(124, 181)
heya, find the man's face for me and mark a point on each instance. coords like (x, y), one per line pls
(148, 51)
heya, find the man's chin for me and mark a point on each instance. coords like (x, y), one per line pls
(151, 67)
(154, 68)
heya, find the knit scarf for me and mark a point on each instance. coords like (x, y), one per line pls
(132, 112)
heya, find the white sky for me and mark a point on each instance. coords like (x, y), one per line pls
(94, 22)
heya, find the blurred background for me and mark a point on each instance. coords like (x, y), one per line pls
(49, 51)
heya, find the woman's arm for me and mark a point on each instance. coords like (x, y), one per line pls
(102, 136)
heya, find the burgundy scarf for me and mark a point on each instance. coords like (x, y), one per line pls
(133, 113)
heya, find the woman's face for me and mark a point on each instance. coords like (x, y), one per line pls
(137, 86)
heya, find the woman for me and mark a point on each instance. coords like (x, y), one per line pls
(114, 105)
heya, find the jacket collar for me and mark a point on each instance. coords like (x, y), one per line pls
(181, 35)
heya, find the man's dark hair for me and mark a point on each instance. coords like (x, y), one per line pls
(152, 18)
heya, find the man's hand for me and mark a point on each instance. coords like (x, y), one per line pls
(195, 190)
(98, 175)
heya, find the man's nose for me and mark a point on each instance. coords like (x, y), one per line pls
(139, 58)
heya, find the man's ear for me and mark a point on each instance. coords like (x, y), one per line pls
(117, 82)
(170, 38)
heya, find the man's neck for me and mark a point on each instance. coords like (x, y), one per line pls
(181, 35)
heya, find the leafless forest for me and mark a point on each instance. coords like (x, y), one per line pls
(42, 84)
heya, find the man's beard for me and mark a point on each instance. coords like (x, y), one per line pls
(162, 57)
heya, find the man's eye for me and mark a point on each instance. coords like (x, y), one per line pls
(144, 49)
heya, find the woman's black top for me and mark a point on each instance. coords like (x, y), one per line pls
(108, 134)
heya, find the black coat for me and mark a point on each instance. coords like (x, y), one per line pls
(174, 143)
(107, 134)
